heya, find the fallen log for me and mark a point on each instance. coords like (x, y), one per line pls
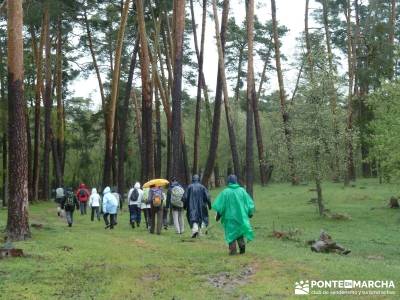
(325, 244)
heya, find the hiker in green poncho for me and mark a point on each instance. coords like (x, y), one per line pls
(235, 207)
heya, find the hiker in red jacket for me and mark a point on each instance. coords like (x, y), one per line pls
(83, 195)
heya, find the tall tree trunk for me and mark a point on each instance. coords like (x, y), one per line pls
(168, 58)
(138, 128)
(147, 101)
(38, 93)
(60, 104)
(157, 158)
(178, 168)
(202, 39)
(47, 99)
(29, 145)
(4, 173)
(251, 98)
(360, 87)
(4, 128)
(169, 154)
(122, 138)
(56, 159)
(94, 60)
(392, 24)
(333, 94)
(257, 124)
(231, 129)
(214, 137)
(282, 96)
(17, 220)
(350, 171)
(114, 154)
(317, 150)
(239, 74)
(263, 73)
(111, 109)
(200, 81)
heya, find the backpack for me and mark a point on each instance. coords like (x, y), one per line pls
(134, 196)
(176, 196)
(156, 197)
(69, 201)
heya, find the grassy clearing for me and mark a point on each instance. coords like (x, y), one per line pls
(88, 262)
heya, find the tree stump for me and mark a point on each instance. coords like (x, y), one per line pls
(11, 253)
(394, 202)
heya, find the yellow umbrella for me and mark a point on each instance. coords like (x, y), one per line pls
(156, 182)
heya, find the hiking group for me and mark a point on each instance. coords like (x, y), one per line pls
(233, 206)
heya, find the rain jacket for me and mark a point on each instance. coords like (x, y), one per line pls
(196, 202)
(86, 194)
(140, 195)
(235, 206)
(94, 200)
(110, 202)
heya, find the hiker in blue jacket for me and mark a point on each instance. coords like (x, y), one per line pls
(110, 208)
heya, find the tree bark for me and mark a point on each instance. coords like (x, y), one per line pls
(178, 168)
(157, 149)
(239, 75)
(392, 24)
(112, 106)
(95, 65)
(122, 138)
(200, 81)
(333, 94)
(17, 220)
(251, 98)
(350, 171)
(48, 102)
(147, 98)
(138, 122)
(257, 124)
(60, 103)
(282, 96)
(56, 159)
(231, 129)
(212, 152)
(4, 128)
(38, 90)
(317, 150)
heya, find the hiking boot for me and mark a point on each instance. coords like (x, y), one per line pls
(242, 250)
(69, 225)
(195, 235)
(137, 224)
(133, 225)
(232, 248)
(107, 226)
(232, 251)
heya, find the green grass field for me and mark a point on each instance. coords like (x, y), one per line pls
(88, 262)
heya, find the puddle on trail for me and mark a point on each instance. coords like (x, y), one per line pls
(228, 281)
